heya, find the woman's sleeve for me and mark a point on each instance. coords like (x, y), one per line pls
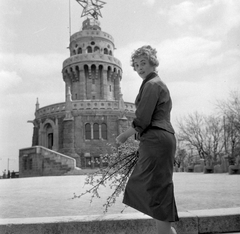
(146, 107)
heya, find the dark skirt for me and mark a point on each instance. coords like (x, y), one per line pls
(150, 186)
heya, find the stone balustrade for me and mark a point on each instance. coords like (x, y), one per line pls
(59, 108)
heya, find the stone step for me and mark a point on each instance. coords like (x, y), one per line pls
(54, 167)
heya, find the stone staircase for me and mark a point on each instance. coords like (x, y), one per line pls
(46, 162)
(52, 167)
(56, 164)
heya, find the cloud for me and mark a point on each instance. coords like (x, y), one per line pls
(8, 79)
(148, 2)
(186, 53)
(180, 14)
(42, 65)
(202, 97)
(176, 55)
(211, 18)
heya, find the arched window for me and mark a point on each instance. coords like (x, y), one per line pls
(104, 131)
(87, 131)
(79, 50)
(96, 49)
(89, 49)
(95, 131)
(105, 51)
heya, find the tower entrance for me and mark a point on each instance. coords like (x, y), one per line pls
(49, 136)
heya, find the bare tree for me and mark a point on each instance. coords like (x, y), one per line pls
(190, 132)
(214, 138)
(204, 134)
(230, 110)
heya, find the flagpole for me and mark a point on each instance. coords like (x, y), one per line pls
(69, 18)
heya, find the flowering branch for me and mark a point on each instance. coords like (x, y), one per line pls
(121, 163)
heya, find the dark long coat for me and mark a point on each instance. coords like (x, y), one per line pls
(150, 187)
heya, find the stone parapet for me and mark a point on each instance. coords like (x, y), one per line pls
(54, 109)
(198, 221)
(92, 58)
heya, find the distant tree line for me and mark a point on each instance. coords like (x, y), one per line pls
(211, 137)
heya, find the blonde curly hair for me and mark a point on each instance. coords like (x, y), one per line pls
(148, 52)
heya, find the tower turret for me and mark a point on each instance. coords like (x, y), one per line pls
(92, 72)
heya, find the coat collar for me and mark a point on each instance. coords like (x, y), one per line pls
(149, 77)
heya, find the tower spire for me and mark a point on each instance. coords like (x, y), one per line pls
(37, 105)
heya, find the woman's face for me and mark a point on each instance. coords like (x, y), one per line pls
(142, 66)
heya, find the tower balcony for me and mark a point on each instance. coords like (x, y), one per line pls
(92, 58)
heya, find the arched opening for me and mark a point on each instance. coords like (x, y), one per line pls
(109, 72)
(79, 50)
(93, 71)
(87, 131)
(96, 49)
(96, 131)
(89, 49)
(77, 72)
(105, 51)
(49, 135)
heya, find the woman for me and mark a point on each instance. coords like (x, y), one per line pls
(150, 186)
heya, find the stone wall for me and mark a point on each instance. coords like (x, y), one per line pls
(191, 222)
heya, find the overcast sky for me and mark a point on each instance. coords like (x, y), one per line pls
(197, 44)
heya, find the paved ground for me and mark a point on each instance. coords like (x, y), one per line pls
(51, 196)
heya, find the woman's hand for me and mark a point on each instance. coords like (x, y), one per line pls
(121, 138)
(125, 135)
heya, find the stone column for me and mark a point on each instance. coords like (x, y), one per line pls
(116, 86)
(55, 136)
(35, 136)
(82, 85)
(104, 87)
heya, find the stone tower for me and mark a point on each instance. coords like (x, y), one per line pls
(94, 112)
